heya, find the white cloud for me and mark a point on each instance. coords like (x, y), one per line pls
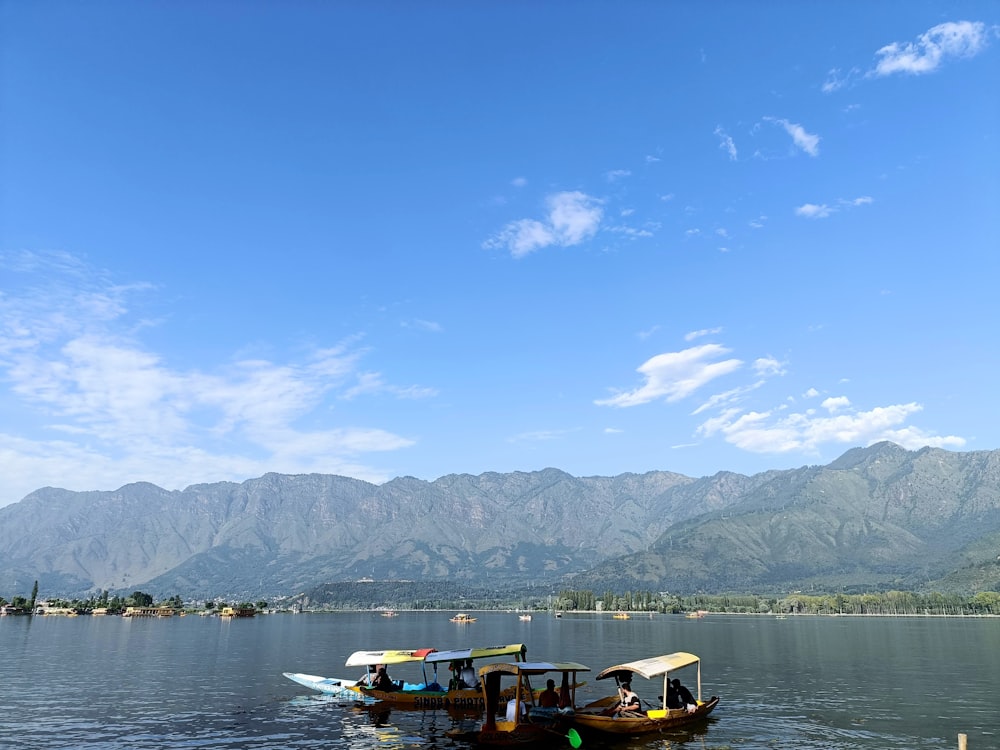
(768, 367)
(766, 432)
(104, 410)
(692, 335)
(519, 182)
(804, 140)
(423, 325)
(726, 143)
(572, 218)
(676, 375)
(617, 174)
(814, 211)
(947, 40)
(835, 404)
(822, 211)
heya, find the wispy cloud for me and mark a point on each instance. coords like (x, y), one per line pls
(814, 211)
(108, 410)
(955, 39)
(701, 333)
(802, 139)
(726, 143)
(729, 414)
(571, 218)
(780, 432)
(675, 375)
(823, 211)
(930, 51)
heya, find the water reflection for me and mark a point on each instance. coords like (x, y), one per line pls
(808, 683)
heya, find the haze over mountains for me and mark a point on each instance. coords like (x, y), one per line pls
(879, 517)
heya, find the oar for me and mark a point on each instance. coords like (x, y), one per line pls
(572, 735)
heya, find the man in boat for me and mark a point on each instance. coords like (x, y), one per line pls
(628, 702)
(382, 681)
(468, 675)
(684, 695)
(549, 698)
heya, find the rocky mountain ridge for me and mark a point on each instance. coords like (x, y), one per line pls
(878, 516)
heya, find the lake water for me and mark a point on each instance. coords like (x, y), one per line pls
(802, 683)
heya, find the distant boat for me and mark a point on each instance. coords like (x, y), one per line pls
(524, 618)
(462, 617)
(621, 615)
(696, 615)
(231, 612)
(388, 613)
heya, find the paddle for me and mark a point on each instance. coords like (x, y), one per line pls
(572, 735)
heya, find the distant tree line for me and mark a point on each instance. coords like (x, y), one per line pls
(432, 595)
(879, 603)
(115, 604)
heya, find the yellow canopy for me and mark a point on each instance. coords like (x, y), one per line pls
(366, 658)
(653, 666)
(461, 654)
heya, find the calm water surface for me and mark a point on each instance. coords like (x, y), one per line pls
(802, 683)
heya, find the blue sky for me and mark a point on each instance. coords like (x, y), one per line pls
(384, 239)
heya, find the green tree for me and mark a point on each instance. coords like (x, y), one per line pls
(34, 596)
(140, 599)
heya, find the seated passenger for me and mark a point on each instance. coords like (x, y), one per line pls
(468, 675)
(382, 681)
(549, 698)
(512, 710)
(685, 698)
(628, 702)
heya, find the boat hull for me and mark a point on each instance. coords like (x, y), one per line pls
(591, 718)
(470, 700)
(334, 686)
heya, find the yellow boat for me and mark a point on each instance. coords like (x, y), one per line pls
(462, 617)
(525, 723)
(420, 696)
(595, 716)
(621, 615)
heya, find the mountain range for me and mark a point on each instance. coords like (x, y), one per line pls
(876, 518)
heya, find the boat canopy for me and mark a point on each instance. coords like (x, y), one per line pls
(461, 654)
(532, 667)
(367, 658)
(653, 666)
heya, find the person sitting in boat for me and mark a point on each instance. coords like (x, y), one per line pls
(685, 698)
(628, 702)
(565, 694)
(382, 681)
(673, 699)
(512, 710)
(468, 675)
(549, 698)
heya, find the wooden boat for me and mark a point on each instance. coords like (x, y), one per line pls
(594, 716)
(430, 694)
(343, 689)
(525, 723)
(462, 617)
(621, 615)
